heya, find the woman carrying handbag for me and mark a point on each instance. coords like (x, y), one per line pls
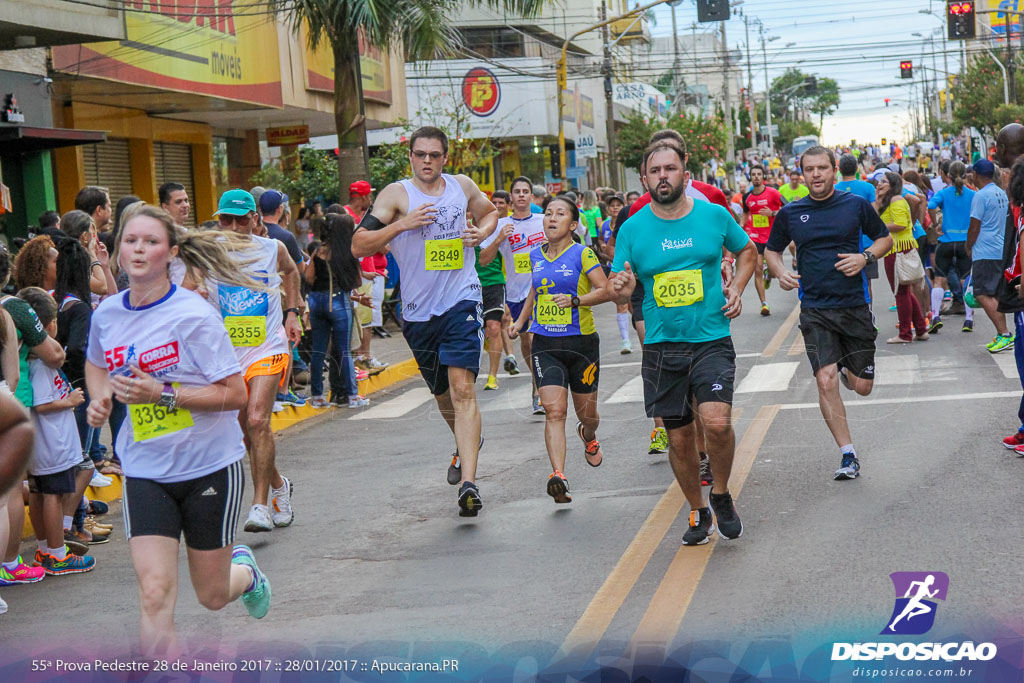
(903, 265)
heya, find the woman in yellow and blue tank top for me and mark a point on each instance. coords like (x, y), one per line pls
(567, 281)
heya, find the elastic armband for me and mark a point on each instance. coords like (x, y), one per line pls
(371, 222)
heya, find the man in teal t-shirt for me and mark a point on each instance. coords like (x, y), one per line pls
(675, 247)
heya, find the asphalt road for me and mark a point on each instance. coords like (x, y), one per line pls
(378, 564)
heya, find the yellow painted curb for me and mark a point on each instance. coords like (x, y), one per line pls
(393, 374)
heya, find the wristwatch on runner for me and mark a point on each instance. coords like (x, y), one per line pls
(168, 397)
(575, 301)
(869, 257)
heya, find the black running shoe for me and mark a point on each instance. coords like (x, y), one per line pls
(729, 524)
(936, 325)
(455, 469)
(706, 477)
(469, 500)
(558, 488)
(701, 527)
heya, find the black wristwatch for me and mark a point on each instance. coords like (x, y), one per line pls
(291, 310)
(575, 301)
(869, 257)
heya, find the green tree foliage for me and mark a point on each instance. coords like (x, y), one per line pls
(705, 138)
(792, 92)
(306, 174)
(978, 96)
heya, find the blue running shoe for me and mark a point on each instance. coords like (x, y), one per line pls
(290, 399)
(850, 469)
(257, 598)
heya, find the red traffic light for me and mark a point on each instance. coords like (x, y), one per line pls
(905, 65)
(959, 8)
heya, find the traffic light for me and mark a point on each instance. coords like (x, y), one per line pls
(712, 10)
(811, 85)
(883, 139)
(960, 19)
(886, 104)
(906, 69)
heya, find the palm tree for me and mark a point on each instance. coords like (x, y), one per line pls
(420, 29)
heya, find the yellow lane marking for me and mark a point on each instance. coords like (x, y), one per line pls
(668, 606)
(613, 592)
(797, 348)
(781, 333)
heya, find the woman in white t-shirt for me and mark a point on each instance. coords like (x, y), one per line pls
(164, 352)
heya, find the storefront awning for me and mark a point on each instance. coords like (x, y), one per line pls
(34, 139)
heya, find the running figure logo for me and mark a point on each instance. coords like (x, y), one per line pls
(914, 612)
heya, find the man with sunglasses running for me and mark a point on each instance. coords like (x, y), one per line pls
(423, 218)
(260, 337)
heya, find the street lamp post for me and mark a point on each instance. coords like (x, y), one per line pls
(767, 90)
(563, 76)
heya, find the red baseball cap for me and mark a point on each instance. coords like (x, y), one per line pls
(360, 187)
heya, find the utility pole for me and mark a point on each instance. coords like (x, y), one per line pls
(730, 151)
(750, 88)
(606, 68)
(1010, 68)
(945, 76)
(675, 56)
(767, 95)
(926, 109)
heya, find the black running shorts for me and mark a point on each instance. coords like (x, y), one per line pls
(494, 302)
(951, 257)
(636, 302)
(840, 335)
(571, 361)
(681, 375)
(205, 509)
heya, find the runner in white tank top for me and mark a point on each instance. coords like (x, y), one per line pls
(516, 236)
(254, 323)
(424, 221)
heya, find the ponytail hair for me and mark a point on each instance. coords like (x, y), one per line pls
(207, 254)
(957, 173)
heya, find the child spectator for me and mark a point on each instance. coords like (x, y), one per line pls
(56, 452)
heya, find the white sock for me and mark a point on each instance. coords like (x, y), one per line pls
(42, 547)
(60, 553)
(847, 449)
(968, 313)
(67, 522)
(623, 319)
(937, 293)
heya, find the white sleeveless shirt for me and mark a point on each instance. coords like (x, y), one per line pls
(427, 293)
(241, 307)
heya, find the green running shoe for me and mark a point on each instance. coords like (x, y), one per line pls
(659, 441)
(1001, 343)
(257, 598)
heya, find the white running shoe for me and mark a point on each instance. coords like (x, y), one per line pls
(281, 501)
(99, 481)
(259, 519)
(627, 347)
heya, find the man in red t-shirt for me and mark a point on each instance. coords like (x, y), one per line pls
(759, 208)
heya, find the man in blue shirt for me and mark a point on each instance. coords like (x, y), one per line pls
(838, 328)
(861, 188)
(674, 247)
(985, 248)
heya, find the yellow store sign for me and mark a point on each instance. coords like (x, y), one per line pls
(221, 48)
(373, 64)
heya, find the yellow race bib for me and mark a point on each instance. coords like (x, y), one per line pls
(678, 288)
(246, 330)
(522, 262)
(444, 254)
(550, 314)
(760, 221)
(150, 420)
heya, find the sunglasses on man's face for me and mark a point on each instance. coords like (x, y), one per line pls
(227, 219)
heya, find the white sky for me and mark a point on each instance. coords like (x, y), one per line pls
(860, 46)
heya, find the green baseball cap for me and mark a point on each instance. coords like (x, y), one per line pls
(236, 203)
